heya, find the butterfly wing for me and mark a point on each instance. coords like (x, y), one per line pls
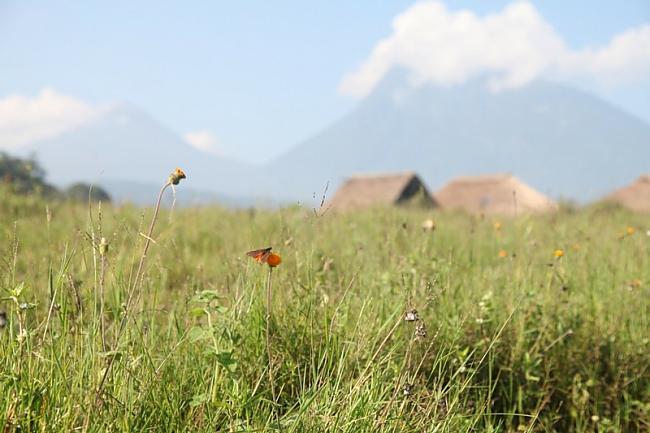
(260, 255)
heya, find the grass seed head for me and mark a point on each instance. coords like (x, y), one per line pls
(103, 247)
(420, 330)
(412, 315)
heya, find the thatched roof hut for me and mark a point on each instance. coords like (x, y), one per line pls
(497, 194)
(635, 196)
(373, 190)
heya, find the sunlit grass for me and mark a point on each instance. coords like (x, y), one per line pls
(529, 340)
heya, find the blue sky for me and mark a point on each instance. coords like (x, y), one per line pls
(256, 76)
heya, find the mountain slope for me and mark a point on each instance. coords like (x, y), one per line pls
(563, 141)
(125, 144)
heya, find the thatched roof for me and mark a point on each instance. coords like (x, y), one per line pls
(635, 196)
(370, 190)
(497, 194)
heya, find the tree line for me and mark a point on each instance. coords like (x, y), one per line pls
(27, 176)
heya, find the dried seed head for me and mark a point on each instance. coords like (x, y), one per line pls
(420, 330)
(176, 176)
(412, 315)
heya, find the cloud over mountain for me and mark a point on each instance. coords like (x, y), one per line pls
(202, 140)
(511, 48)
(25, 119)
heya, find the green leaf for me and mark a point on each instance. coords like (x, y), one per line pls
(18, 290)
(226, 360)
(197, 312)
(199, 399)
(197, 333)
(207, 295)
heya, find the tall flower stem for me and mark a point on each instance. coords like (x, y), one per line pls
(134, 286)
(268, 332)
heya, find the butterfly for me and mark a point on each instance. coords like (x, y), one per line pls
(261, 255)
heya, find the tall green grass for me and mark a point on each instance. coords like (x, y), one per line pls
(527, 342)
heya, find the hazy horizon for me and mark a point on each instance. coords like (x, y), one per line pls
(250, 81)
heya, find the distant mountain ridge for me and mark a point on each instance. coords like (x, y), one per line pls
(127, 145)
(562, 141)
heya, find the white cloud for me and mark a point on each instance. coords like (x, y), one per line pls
(511, 48)
(202, 140)
(626, 58)
(24, 119)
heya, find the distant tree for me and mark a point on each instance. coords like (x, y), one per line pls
(83, 191)
(23, 175)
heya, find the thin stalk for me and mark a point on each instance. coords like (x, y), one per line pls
(93, 243)
(362, 376)
(102, 273)
(268, 332)
(134, 287)
(103, 250)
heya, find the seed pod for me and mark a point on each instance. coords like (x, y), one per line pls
(103, 247)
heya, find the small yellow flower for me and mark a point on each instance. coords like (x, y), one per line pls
(428, 225)
(630, 230)
(503, 254)
(497, 226)
(559, 253)
(635, 284)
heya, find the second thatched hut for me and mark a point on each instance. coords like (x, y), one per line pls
(496, 194)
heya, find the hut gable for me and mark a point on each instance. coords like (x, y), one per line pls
(366, 191)
(496, 194)
(635, 197)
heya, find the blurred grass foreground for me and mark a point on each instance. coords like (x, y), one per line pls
(378, 323)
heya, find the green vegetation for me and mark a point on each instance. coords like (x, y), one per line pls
(83, 192)
(525, 342)
(23, 175)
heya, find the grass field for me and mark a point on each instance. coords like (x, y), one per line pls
(510, 336)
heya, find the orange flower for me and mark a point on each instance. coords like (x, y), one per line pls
(559, 253)
(630, 230)
(503, 254)
(273, 260)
